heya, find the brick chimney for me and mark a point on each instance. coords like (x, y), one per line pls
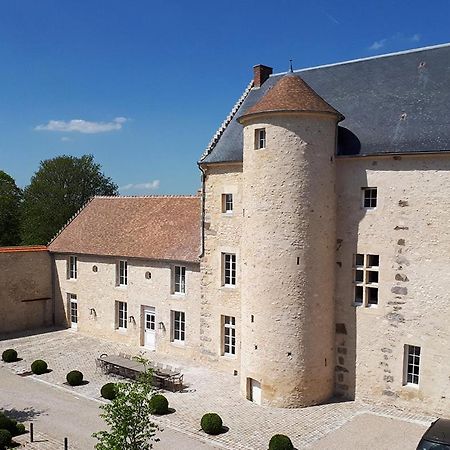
(261, 74)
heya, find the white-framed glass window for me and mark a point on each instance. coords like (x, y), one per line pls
(229, 269)
(411, 365)
(227, 203)
(369, 197)
(179, 284)
(122, 315)
(178, 326)
(229, 335)
(73, 310)
(123, 273)
(365, 279)
(260, 138)
(73, 268)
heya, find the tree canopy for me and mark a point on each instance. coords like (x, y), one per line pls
(10, 198)
(59, 188)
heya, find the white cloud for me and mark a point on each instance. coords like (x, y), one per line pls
(65, 139)
(416, 37)
(395, 40)
(82, 126)
(378, 44)
(149, 186)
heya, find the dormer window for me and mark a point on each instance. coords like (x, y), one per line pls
(260, 138)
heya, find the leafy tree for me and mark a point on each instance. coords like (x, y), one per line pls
(10, 198)
(59, 188)
(128, 416)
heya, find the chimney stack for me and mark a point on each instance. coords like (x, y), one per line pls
(261, 74)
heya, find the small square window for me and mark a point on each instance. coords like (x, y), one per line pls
(369, 197)
(260, 138)
(227, 203)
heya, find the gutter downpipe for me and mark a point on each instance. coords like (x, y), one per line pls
(202, 250)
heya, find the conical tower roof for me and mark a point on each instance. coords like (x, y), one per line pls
(291, 94)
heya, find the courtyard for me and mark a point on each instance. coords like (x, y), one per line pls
(59, 410)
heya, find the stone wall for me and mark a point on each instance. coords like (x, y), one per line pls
(25, 289)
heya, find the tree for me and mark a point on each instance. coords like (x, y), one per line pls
(59, 188)
(10, 198)
(128, 416)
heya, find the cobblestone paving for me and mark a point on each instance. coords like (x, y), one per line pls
(41, 442)
(250, 426)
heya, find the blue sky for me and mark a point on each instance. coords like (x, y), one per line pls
(143, 85)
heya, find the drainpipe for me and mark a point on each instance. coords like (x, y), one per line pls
(202, 251)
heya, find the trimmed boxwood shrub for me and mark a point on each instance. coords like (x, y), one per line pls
(211, 423)
(108, 391)
(5, 439)
(159, 404)
(7, 424)
(280, 442)
(74, 378)
(9, 355)
(20, 429)
(39, 367)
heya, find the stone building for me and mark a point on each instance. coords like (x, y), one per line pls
(314, 263)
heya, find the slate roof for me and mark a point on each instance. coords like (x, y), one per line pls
(154, 227)
(397, 103)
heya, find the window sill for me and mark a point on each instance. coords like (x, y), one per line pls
(411, 386)
(228, 287)
(227, 214)
(179, 344)
(231, 357)
(72, 279)
(121, 286)
(178, 295)
(122, 330)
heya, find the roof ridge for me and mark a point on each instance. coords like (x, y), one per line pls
(23, 248)
(225, 123)
(149, 196)
(367, 58)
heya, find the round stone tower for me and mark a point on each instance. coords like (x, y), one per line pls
(288, 246)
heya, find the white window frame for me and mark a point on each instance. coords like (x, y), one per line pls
(72, 299)
(229, 270)
(260, 138)
(363, 272)
(121, 315)
(411, 361)
(227, 203)
(122, 273)
(179, 280)
(370, 196)
(228, 336)
(178, 320)
(72, 272)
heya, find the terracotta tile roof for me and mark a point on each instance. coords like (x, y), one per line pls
(291, 94)
(154, 227)
(29, 248)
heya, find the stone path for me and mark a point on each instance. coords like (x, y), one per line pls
(250, 426)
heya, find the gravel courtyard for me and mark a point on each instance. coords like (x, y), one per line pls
(334, 425)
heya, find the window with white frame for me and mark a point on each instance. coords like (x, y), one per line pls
(178, 327)
(123, 273)
(229, 269)
(369, 197)
(411, 365)
(229, 335)
(179, 282)
(227, 203)
(73, 267)
(73, 309)
(365, 279)
(122, 315)
(260, 138)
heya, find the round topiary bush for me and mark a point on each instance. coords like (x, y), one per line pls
(211, 423)
(20, 429)
(7, 424)
(280, 442)
(9, 355)
(74, 378)
(159, 404)
(5, 439)
(108, 391)
(39, 367)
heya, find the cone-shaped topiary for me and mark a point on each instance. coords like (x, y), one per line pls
(74, 378)
(39, 367)
(280, 442)
(5, 439)
(211, 423)
(108, 391)
(159, 404)
(9, 355)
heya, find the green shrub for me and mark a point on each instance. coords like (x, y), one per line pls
(108, 391)
(280, 442)
(9, 355)
(7, 424)
(5, 439)
(211, 423)
(20, 429)
(74, 378)
(159, 404)
(39, 367)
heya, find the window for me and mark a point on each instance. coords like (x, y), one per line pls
(227, 203)
(260, 138)
(179, 280)
(411, 365)
(365, 280)
(73, 310)
(229, 335)
(122, 315)
(369, 197)
(229, 269)
(178, 327)
(123, 273)
(73, 272)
